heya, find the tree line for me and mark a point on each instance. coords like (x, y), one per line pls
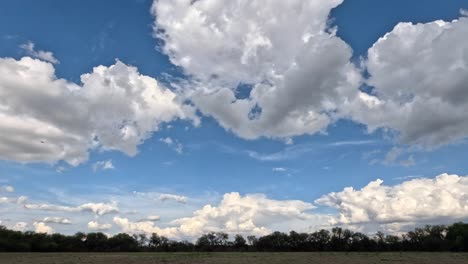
(430, 238)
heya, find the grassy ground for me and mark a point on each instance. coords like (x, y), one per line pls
(231, 258)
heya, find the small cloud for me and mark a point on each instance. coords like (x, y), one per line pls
(179, 148)
(13, 200)
(43, 228)
(409, 177)
(8, 189)
(289, 153)
(408, 162)
(168, 197)
(464, 12)
(168, 163)
(168, 141)
(151, 218)
(351, 143)
(40, 54)
(393, 157)
(103, 165)
(56, 220)
(288, 141)
(99, 209)
(10, 37)
(162, 197)
(96, 226)
(60, 169)
(279, 169)
(20, 226)
(22, 199)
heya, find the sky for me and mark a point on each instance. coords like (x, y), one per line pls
(185, 117)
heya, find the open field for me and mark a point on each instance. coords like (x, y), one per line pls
(231, 258)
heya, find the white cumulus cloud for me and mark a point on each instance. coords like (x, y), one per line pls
(41, 227)
(20, 226)
(147, 227)
(419, 73)
(96, 226)
(442, 199)
(248, 214)
(46, 119)
(299, 71)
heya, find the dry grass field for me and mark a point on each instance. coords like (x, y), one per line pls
(232, 258)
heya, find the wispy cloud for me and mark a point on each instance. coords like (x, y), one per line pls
(464, 12)
(369, 154)
(289, 153)
(98, 208)
(296, 151)
(150, 218)
(172, 197)
(9, 37)
(29, 47)
(351, 143)
(162, 197)
(279, 169)
(393, 157)
(56, 220)
(409, 177)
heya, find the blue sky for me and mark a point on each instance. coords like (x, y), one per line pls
(203, 154)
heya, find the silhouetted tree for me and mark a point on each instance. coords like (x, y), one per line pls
(429, 238)
(96, 242)
(123, 242)
(319, 240)
(240, 243)
(252, 240)
(457, 236)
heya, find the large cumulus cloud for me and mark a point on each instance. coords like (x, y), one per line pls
(46, 119)
(420, 77)
(235, 214)
(442, 199)
(249, 214)
(376, 206)
(299, 71)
